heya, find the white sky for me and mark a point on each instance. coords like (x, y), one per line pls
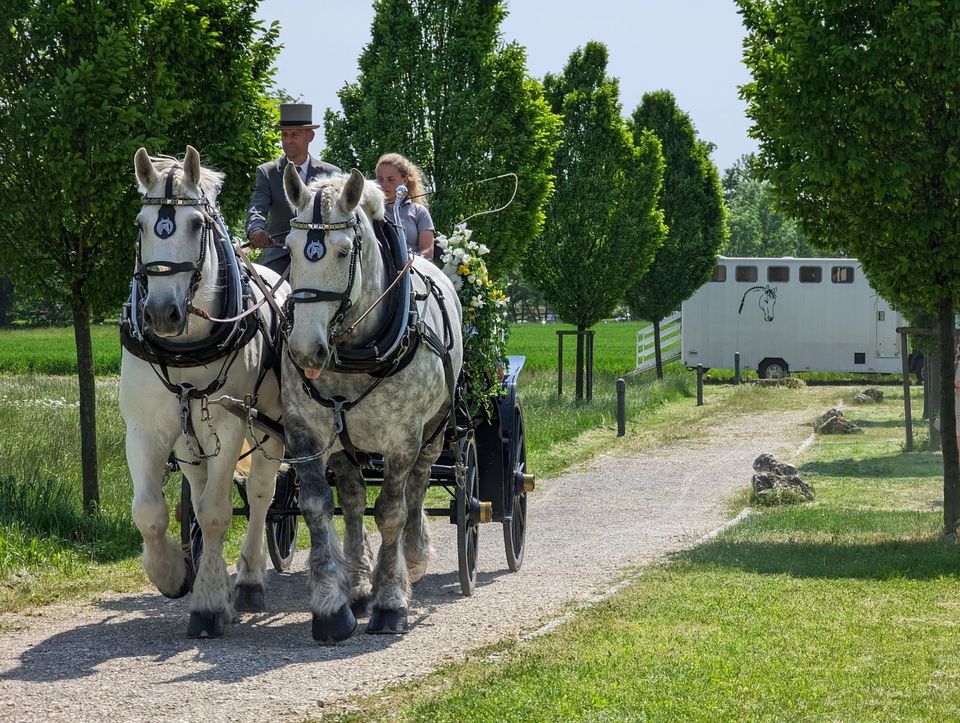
(690, 47)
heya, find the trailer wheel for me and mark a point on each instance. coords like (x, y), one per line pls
(772, 368)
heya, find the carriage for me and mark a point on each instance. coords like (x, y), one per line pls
(492, 487)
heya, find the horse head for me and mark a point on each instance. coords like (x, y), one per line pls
(329, 260)
(174, 225)
(768, 300)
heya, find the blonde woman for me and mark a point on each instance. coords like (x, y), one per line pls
(395, 170)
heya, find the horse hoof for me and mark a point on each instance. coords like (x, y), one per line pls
(187, 584)
(249, 599)
(388, 622)
(205, 625)
(361, 606)
(334, 628)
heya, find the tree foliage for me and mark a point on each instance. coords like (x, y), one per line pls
(855, 107)
(437, 85)
(83, 83)
(755, 224)
(603, 226)
(692, 204)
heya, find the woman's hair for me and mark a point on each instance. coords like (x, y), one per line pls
(411, 172)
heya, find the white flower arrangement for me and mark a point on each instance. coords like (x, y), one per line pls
(484, 315)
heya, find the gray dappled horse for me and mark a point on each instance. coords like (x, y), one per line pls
(175, 363)
(338, 273)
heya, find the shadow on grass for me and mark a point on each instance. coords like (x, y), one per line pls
(833, 544)
(889, 465)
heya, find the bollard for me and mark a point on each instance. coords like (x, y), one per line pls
(621, 407)
(736, 368)
(699, 385)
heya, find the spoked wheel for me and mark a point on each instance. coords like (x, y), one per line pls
(283, 520)
(191, 536)
(515, 527)
(468, 516)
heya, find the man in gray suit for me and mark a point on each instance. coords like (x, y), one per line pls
(268, 219)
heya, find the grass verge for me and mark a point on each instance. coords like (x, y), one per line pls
(840, 609)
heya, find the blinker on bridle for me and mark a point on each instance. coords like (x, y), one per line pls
(316, 248)
(165, 226)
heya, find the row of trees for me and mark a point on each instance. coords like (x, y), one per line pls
(608, 208)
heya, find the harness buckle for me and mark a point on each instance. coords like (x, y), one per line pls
(338, 403)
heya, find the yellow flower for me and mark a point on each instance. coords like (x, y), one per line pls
(463, 270)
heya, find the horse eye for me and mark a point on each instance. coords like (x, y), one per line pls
(343, 253)
(197, 224)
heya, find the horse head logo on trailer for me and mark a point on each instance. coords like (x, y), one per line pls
(767, 301)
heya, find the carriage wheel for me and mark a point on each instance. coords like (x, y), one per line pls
(282, 526)
(515, 529)
(191, 536)
(468, 517)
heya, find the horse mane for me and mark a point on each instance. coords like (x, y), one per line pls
(371, 201)
(211, 181)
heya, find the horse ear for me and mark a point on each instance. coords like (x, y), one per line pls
(293, 187)
(146, 173)
(352, 192)
(191, 167)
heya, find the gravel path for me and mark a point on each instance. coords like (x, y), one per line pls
(125, 658)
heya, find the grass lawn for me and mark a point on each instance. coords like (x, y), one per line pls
(845, 608)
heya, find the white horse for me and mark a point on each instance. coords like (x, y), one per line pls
(337, 274)
(169, 400)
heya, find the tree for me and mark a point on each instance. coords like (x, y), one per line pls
(855, 107)
(755, 224)
(693, 210)
(83, 84)
(603, 226)
(437, 85)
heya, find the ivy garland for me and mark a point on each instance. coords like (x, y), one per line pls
(484, 317)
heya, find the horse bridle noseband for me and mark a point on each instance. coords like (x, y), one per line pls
(167, 202)
(315, 233)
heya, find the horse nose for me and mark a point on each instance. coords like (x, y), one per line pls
(315, 358)
(165, 319)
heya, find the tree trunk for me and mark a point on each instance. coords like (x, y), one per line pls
(656, 348)
(580, 364)
(88, 404)
(948, 422)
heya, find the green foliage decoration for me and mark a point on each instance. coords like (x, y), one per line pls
(603, 225)
(438, 85)
(484, 316)
(693, 210)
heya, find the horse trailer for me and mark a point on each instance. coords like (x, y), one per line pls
(790, 314)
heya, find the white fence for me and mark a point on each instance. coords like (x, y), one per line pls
(669, 343)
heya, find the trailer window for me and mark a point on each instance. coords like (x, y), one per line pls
(747, 273)
(778, 273)
(842, 275)
(811, 274)
(719, 273)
